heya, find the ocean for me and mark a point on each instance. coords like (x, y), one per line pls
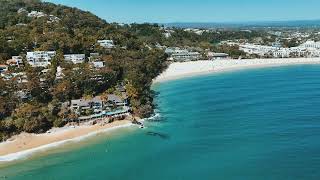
(246, 124)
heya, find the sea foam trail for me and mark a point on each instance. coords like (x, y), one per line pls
(27, 153)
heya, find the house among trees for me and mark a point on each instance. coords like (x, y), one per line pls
(94, 57)
(15, 61)
(36, 14)
(106, 43)
(98, 64)
(59, 73)
(53, 19)
(75, 58)
(40, 58)
(22, 11)
(95, 61)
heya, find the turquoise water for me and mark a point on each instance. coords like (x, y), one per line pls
(253, 124)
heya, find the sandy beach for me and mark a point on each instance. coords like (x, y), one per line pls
(186, 69)
(25, 144)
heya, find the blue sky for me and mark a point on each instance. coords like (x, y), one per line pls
(165, 11)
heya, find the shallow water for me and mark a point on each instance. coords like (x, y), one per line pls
(249, 124)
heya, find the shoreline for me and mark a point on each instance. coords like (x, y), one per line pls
(180, 70)
(25, 145)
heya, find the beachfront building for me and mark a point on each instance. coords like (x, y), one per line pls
(106, 43)
(257, 49)
(282, 53)
(185, 56)
(313, 52)
(308, 49)
(311, 44)
(99, 107)
(175, 50)
(75, 58)
(181, 55)
(40, 58)
(97, 104)
(117, 100)
(81, 105)
(217, 56)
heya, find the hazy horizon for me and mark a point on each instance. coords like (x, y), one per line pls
(201, 11)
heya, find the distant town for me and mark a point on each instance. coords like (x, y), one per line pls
(274, 44)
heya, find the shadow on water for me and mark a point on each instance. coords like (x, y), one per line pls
(160, 135)
(157, 120)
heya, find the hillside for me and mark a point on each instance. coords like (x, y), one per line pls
(66, 30)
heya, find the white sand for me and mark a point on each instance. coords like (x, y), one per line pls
(25, 144)
(186, 69)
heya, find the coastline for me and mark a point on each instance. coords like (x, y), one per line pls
(181, 70)
(25, 144)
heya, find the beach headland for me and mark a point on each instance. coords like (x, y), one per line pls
(179, 70)
(24, 145)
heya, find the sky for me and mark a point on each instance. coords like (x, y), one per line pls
(168, 11)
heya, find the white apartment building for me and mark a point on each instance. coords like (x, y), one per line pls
(311, 44)
(282, 53)
(106, 43)
(75, 58)
(40, 58)
(257, 49)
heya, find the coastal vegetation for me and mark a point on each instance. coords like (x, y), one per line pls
(130, 63)
(32, 101)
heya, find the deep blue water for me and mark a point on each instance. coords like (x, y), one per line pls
(252, 124)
